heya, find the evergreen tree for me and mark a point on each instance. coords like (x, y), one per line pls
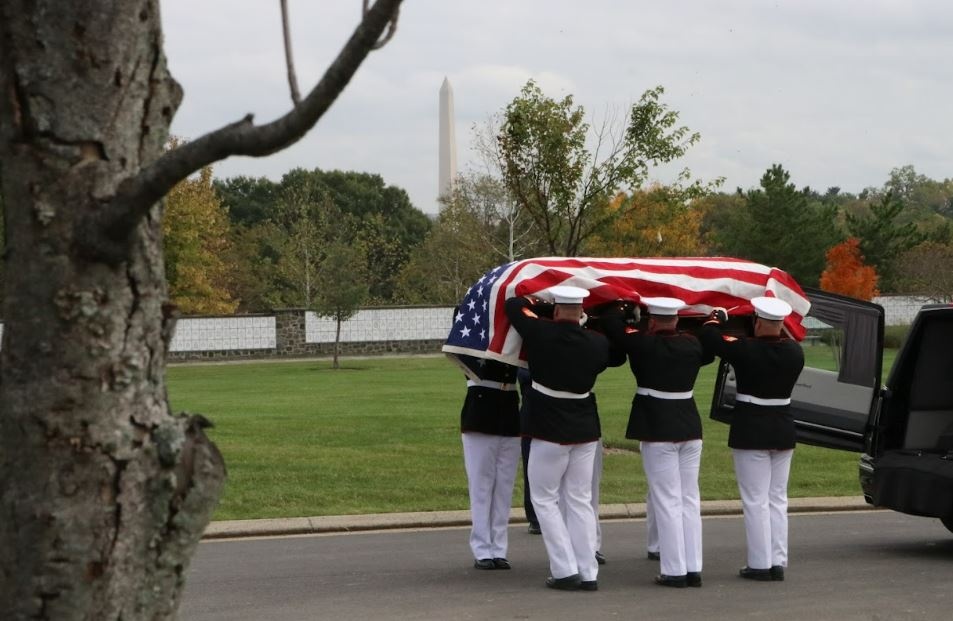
(882, 237)
(780, 226)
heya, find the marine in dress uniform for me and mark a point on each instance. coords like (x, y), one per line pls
(762, 433)
(563, 422)
(525, 382)
(664, 418)
(489, 425)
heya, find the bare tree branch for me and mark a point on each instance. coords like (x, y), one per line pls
(392, 27)
(289, 60)
(106, 235)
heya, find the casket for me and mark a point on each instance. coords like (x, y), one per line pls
(480, 329)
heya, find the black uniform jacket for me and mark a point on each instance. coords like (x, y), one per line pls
(562, 356)
(492, 410)
(767, 368)
(668, 361)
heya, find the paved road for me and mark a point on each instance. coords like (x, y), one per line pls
(874, 566)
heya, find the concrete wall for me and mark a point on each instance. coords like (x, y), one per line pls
(418, 329)
(300, 333)
(900, 310)
(221, 333)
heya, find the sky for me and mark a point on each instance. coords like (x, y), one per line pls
(837, 91)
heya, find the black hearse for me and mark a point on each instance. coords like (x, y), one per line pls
(903, 429)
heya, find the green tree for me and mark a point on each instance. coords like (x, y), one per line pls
(565, 187)
(385, 256)
(308, 224)
(450, 259)
(722, 214)
(196, 242)
(925, 270)
(364, 195)
(248, 200)
(257, 282)
(380, 216)
(919, 192)
(341, 287)
(505, 225)
(882, 238)
(499, 226)
(780, 226)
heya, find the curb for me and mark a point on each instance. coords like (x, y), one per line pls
(233, 529)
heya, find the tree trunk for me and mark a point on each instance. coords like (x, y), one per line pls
(104, 493)
(337, 341)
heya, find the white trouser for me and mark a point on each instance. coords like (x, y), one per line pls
(651, 526)
(763, 484)
(564, 471)
(490, 462)
(596, 483)
(672, 472)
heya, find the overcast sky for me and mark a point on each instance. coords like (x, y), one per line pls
(838, 91)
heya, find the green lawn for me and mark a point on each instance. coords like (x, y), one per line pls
(382, 435)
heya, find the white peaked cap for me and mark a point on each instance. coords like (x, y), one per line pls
(568, 295)
(771, 309)
(663, 306)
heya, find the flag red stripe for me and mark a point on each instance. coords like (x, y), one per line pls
(682, 277)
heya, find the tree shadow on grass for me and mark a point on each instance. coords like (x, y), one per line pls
(342, 368)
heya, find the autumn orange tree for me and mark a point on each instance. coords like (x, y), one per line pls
(846, 273)
(196, 238)
(658, 221)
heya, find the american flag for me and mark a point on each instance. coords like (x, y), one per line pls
(480, 328)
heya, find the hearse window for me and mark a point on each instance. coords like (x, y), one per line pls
(852, 332)
(822, 345)
(931, 386)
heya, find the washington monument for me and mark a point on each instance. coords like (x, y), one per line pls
(448, 142)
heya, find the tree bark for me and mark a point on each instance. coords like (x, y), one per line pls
(337, 341)
(105, 493)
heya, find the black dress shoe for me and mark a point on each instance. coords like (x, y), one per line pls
(534, 529)
(777, 573)
(653, 556)
(762, 575)
(589, 585)
(484, 563)
(679, 582)
(569, 583)
(693, 578)
(600, 558)
(502, 563)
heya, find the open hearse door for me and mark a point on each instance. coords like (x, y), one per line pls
(908, 465)
(838, 388)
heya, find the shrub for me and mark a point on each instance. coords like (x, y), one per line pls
(894, 336)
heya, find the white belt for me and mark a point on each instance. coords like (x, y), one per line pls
(759, 401)
(490, 384)
(558, 394)
(661, 394)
